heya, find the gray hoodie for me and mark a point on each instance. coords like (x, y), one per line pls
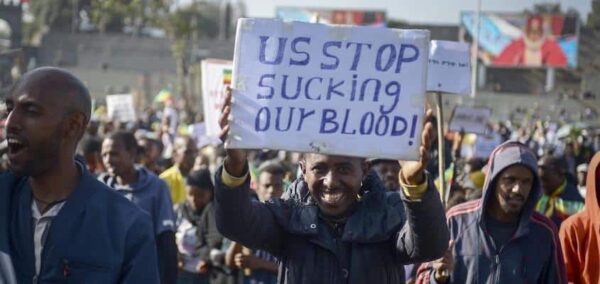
(532, 255)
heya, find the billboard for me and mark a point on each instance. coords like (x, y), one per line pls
(332, 16)
(524, 40)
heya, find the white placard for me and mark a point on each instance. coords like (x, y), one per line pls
(449, 67)
(216, 77)
(120, 107)
(354, 91)
(471, 119)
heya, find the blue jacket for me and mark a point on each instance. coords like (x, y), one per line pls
(7, 272)
(533, 255)
(97, 237)
(385, 231)
(149, 193)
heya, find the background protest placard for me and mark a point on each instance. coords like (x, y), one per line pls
(355, 91)
(449, 69)
(120, 107)
(471, 119)
(485, 145)
(216, 77)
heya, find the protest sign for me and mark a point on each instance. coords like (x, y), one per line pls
(485, 145)
(449, 68)
(216, 77)
(471, 119)
(355, 91)
(120, 107)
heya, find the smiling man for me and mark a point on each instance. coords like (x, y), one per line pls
(62, 225)
(350, 230)
(500, 238)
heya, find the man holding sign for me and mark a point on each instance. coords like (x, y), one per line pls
(350, 231)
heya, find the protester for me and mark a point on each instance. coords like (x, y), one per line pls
(580, 233)
(91, 149)
(500, 238)
(184, 155)
(151, 150)
(63, 225)
(433, 164)
(259, 266)
(348, 230)
(169, 125)
(147, 191)
(388, 171)
(197, 235)
(270, 176)
(560, 198)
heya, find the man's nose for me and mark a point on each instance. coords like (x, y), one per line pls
(517, 187)
(13, 122)
(330, 180)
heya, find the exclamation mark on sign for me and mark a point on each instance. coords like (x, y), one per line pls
(413, 128)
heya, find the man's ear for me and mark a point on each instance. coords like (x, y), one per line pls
(75, 125)
(302, 164)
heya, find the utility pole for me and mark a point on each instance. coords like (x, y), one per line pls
(475, 55)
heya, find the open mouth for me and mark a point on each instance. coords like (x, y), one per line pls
(15, 146)
(332, 198)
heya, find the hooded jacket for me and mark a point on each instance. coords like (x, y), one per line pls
(580, 233)
(149, 193)
(371, 247)
(533, 253)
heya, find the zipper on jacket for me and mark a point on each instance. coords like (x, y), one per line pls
(497, 268)
(497, 262)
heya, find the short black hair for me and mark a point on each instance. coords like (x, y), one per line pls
(91, 145)
(273, 167)
(155, 142)
(558, 163)
(374, 162)
(201, 179)
(128, 140)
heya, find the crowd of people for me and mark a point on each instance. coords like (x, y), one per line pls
(221, 215)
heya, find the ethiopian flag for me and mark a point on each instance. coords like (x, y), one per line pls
(226, 76)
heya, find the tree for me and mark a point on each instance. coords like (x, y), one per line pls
(112, 15)
(593, 20)
(184, 27)
(52, 15)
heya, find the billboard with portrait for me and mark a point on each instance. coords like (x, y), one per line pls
(333, 16)
(524, 40)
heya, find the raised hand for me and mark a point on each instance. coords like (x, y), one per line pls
(413, 172)
(235, 161)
